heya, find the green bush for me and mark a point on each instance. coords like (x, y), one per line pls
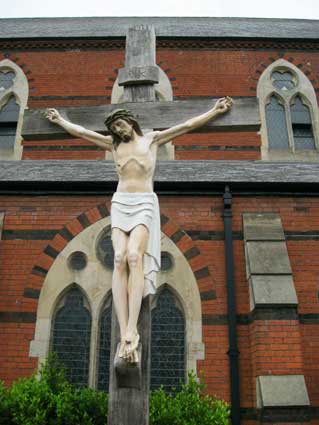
(187, 406)
(52, 400)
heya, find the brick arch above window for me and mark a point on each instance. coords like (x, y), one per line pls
(286, 81)
(13, 85)
(52, 275)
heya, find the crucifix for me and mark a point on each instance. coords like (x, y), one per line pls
(135, 212)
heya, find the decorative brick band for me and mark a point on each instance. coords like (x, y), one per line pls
(86, 219)
(116, 44)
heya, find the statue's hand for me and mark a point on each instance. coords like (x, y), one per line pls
(223, 105)
(53, 115)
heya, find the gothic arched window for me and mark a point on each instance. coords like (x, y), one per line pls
(71, 336)
(13, 101)
(276, 124)
(167, 342)
(289, 113)
(74, 320)
(301, 124)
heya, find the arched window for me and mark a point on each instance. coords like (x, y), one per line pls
(75, 320)
(9, 117)
(289, 113)
(13, 101)
(71, 336)
(276, 124)
(104, 346)
(168, 342)
(301, 125)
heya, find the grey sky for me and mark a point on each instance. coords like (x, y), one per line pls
(302, 9)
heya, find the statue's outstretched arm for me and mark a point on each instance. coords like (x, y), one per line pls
(221, 106)
(105, 142)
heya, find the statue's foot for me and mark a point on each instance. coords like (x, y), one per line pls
(131, 342)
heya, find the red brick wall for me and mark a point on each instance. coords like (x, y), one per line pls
(266, 347)
(71, 78)
(65, 78)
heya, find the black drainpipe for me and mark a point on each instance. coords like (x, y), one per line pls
(233, 352)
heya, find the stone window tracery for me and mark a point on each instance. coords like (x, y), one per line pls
(289, 114)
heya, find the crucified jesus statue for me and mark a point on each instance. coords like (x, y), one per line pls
(134, 212)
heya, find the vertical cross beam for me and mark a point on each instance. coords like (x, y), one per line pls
(129, 384)
(140, 72)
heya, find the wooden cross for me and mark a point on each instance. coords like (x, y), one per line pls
(129, 387)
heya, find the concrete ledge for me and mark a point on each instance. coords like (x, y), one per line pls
(272, 291)
(263, 227)
(268, 258)
(281, 391)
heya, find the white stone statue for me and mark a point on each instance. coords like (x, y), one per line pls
(135, 216)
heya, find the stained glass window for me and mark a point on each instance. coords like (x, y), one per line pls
(168, 343)
(104, 347)
(301, 125)
(283, 80)
(9, 116)
(166, 261)
(71, 337)
(77, 260)
(276, 125)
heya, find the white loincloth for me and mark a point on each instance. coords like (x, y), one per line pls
(128, 210)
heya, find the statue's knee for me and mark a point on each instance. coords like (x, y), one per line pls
(119, 260)
(134, 258)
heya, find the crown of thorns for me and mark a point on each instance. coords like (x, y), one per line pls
(116, 114)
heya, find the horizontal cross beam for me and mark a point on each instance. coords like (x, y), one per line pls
(186, 173)
(244, 116)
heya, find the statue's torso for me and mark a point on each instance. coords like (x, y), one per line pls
(135, 164)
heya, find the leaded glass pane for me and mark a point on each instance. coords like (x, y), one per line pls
(6, 79)
(283, 80)
(276, 125)
(9, 113)
(168, 343)
(77, 260)
(105, 252)
(104, 348)
(301, 125)
(166, 261)
(7, 136)
(71, 337)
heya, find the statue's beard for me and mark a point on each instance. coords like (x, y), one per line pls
(126, 137)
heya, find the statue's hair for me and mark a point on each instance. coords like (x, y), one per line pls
(125, 115)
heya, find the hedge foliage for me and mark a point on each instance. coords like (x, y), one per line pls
(52, 400)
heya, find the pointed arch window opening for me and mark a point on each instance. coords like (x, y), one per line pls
(289, 112)
(301, 124)
(9, 116)
(168, 351)
(71, 333)
(104, 346)
(276, 123)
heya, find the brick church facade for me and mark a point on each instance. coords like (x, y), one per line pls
(239, 210)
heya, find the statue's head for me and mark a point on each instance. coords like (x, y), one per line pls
(121, 123)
